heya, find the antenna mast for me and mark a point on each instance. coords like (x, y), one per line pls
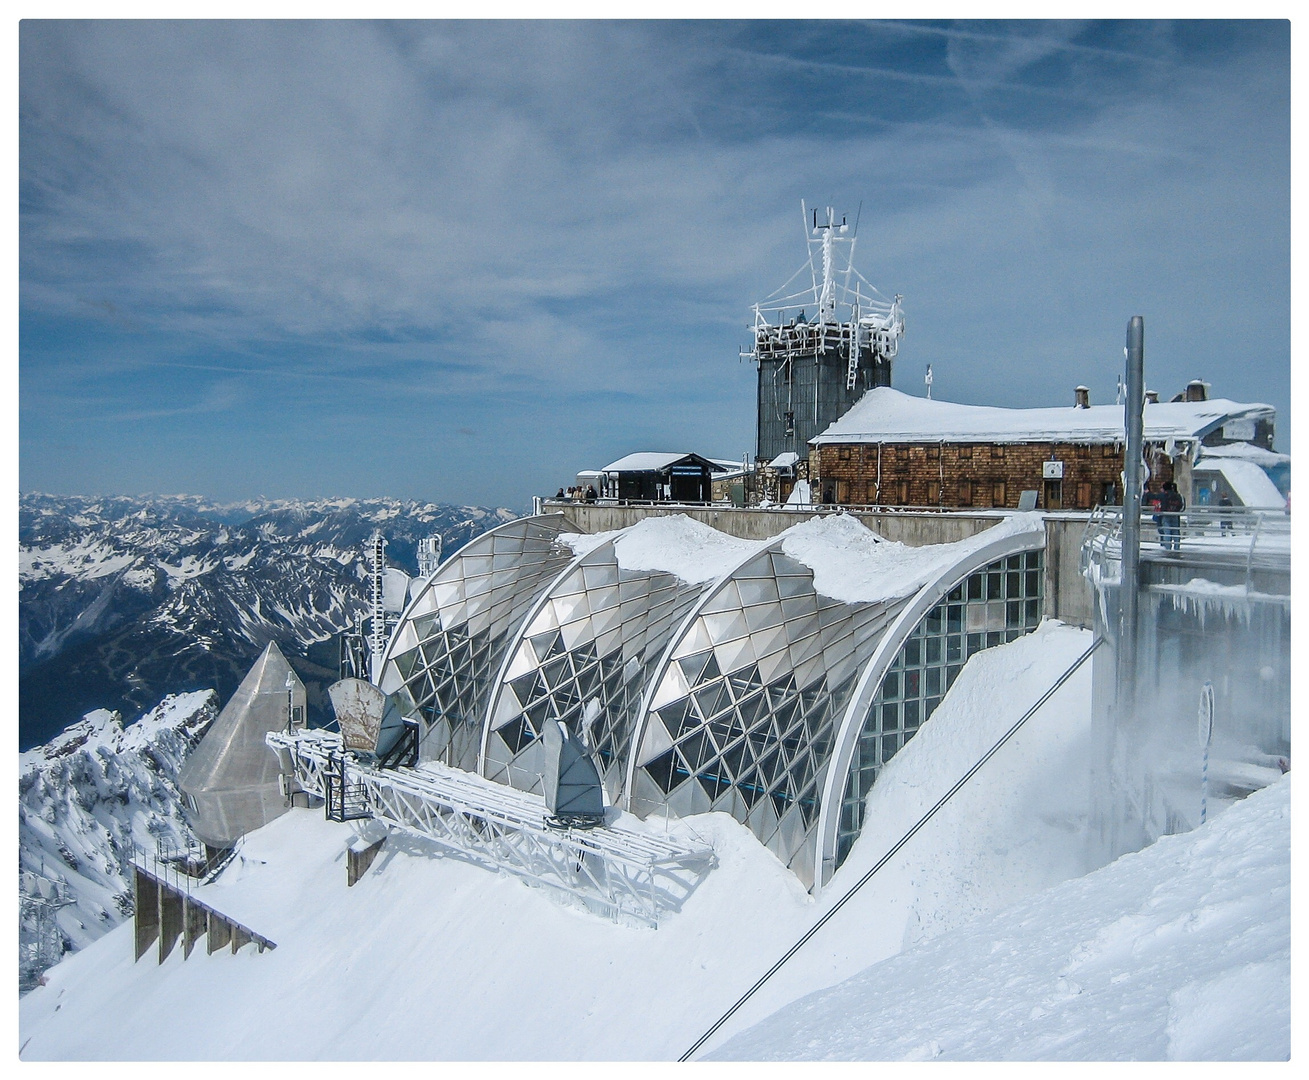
(377, 636)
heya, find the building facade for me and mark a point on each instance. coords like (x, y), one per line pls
(895, 450)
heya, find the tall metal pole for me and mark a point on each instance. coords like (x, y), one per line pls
(1131, 572)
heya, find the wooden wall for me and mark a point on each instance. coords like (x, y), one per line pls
(970, 474)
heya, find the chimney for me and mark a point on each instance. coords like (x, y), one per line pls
(1197, 390)
(1083, 397)
(1152, 397)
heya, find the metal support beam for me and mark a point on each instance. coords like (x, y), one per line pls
(1129, 586)
(618, 872)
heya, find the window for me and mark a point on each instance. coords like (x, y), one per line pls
(902, 492)
(998, 493)
(1109, 450)
(965, 493)
(902, 453)
(934, 453)
(999, 603)
(1083, 451)
(965, 452)
(1084, 496)
(844, 453)
(1109, 493)
(997, 450)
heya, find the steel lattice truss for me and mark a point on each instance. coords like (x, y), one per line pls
(613, 871)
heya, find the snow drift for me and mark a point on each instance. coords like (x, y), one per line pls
(1181, 951)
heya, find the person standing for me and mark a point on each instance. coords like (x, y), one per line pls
(1170, 519)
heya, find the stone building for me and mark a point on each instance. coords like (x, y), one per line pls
(892, 449)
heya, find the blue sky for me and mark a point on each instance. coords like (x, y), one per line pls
(460, 261)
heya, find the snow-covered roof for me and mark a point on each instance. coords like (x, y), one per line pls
(784, 461)
(886, 415)
(1246, 452)
(1248, 481)
(679, 545)
(648, 462)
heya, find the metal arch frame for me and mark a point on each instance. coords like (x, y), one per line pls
(476, 545)
(870, 679)
(498, 684)
(642, 721)
(406, 614)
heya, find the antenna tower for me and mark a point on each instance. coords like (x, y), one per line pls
(377, 557)
(819, 348)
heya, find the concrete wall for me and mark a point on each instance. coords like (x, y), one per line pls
(1067, 595)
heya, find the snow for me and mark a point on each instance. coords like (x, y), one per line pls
(93, 792)
(1245, 452)
(853, 564)
(88, 558)
(799, 494)
(644, 462)
(675, 544)
(1180, 951)
(784, 461)
(886, 415)
(1248, 481)
(1200, 595)
(489, 953)
(850, 562)
(692, 550)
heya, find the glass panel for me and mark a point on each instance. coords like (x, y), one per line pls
(915, 681)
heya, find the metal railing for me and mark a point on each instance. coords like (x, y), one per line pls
(614, 871)
(807, 508)
(1249, 537)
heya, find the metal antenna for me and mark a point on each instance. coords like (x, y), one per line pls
(378, 635)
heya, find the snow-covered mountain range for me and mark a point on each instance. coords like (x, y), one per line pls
(123, 600)
(85, 800)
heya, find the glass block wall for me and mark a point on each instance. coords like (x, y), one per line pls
(584, 656)
(742, 717)
(992, 606)
(451, 640)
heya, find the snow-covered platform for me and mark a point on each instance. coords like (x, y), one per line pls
(621, 870)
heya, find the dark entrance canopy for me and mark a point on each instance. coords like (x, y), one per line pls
(660, 477)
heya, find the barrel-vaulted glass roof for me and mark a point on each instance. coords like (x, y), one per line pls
(768, 679)
(448, 645)
(583, 656)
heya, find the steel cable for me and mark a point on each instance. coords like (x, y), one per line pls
(890, 854)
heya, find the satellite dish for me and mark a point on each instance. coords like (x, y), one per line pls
(359, 707)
